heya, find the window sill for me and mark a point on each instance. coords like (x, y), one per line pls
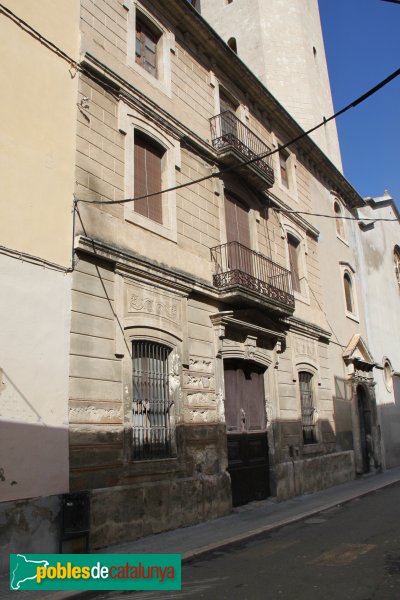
(352, 316)
(300, 297)
(153, 226)
(345, 242)
(316, 448)
(160, 84)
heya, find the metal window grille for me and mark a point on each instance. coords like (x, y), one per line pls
(151, 406)
(307, 408)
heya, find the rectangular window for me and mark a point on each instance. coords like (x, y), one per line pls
(148, 164)
(293, 247)
(151, 406)
(146, 48)
(307, 407)
(283, 162)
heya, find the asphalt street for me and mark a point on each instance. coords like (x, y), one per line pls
(347, 552)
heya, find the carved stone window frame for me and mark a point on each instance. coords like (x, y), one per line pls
(130, 121)
(159, 336)
(165, 46)
(301, 237)
(347, 270)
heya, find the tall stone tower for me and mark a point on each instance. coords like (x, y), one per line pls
(281, 42)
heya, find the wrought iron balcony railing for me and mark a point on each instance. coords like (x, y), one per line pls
(238, 266)
(229, 134)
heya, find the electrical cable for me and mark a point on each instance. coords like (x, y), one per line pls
(258, 157)
(59, 52)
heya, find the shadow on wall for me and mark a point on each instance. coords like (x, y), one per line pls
(299, 467)
(389, 417)
(342, 415)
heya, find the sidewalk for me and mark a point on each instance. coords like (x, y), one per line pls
(244, 523)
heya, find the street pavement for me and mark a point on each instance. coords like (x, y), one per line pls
(244, 524)
(349, 552)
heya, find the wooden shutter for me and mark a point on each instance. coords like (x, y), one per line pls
(294, 263)
(244, 398)
(146, 48)
(283, 166)
(237, 222)
(254, 390)
(148, 178)
(232, 400)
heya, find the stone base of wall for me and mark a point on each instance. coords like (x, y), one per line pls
(30, 526)
(126, 513)
(313, 474)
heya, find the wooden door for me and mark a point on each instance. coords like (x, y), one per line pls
(238, 235)
(246, 432)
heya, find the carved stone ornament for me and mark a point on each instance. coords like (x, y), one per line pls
(153, 303)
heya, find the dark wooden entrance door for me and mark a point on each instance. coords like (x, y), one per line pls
(246, 432)
(364, 413)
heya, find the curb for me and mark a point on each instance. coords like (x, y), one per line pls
(191, 555)
(254, 533)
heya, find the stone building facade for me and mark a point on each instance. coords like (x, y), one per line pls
(286, 52)
(199, 371)
(217, 352)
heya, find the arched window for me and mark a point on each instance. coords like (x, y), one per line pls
(339, 220)
(151, 406)
(396, 259)
(294, 248)
(232, 44)
(348, 292)
(388, 375)
(307, 407)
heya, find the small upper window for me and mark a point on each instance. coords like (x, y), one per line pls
(146, 47)
(232, 44)
(339, 220)
(388, 375)
(147, 175)
(294, 247)
(348, 292)
(396, 259)
(283, 163)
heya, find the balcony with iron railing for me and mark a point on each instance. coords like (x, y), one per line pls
(243, 274)
(235, 143)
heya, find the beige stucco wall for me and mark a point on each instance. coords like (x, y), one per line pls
(381, 294)
(37, 140)
(35, 309)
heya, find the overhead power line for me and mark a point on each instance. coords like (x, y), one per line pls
(74, 64)
(258, 157)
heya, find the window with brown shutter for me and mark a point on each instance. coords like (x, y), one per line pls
(148, 164)
(283, 162)
(146, 47)
(293, 247)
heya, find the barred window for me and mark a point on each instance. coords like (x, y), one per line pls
(307, 407)
(151, 406)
